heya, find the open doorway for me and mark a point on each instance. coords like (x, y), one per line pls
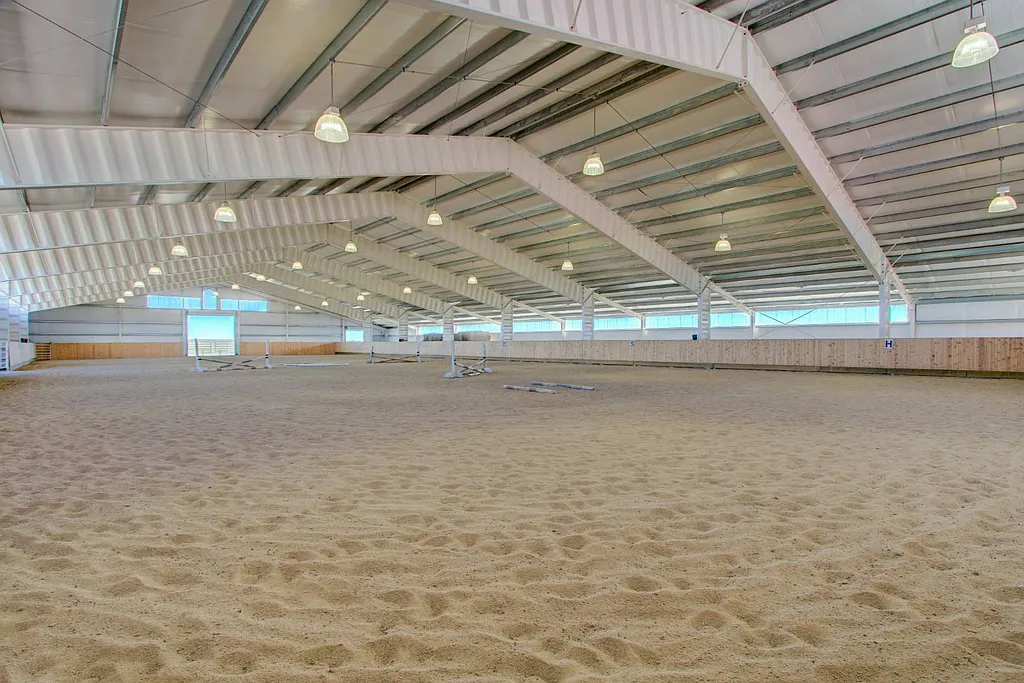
(214, 335)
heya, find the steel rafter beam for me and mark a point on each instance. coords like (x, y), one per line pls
(425, 272)
(142, 253)
(937, 165)
(693, 40)
(775, 13)
(93, 153)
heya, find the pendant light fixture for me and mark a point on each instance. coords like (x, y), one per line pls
(360, 297)
(471, 279)
(298, 307)
(435, 218)
(977, 46)
(350, 246)
(407, 290)
(1003, 202)
(260, 277)
(330, 127)
(234, 285)
(120, 300)
(723, 243)
(128, 293)
(567, 263)
(138, 284)
(323, 304)
(593, 165)
(224, 212)
(155, 270)
(296, 265)
(179, 250)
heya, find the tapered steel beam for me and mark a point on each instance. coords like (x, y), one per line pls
(771, 15)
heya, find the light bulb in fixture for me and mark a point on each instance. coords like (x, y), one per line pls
(407, 290)
(357, 306)
(1003, 201)
(472, 279)
(435, 218)
(234, 285)
(155, 270)
(179, 250)
(593, 165)
(225, 214)
(120, 300)
(360, 298)
(330, 127)
(296, 265)
(723, 243)
(138, 284)
(128, 293)
(567, 265)
(260, 277)
(323, 304)
(298, 307)
(351, 247)
(977, 46)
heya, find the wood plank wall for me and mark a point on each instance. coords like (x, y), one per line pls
(65, 351)
(994, 355)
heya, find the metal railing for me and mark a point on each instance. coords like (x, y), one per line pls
(212, 347)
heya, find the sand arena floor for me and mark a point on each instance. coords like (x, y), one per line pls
(381, 524)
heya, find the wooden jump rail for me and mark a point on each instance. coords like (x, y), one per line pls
(578, 387)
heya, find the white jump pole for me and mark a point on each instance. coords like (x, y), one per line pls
(578, 387)
(532, 390)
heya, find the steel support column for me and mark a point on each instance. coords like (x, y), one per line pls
(704, 315)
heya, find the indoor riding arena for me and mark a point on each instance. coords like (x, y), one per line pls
(554, 341)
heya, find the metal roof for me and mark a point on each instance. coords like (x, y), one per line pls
(916, 143)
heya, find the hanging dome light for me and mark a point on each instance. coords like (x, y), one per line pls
(351, 247)
(296, 265)
(977, 46)
(260, 277)
(593, 165)
(407, 290)
(472, 280)
(138, 284)
(179, 250)
(435, 218)
(128, 293)
(360, 298)
(1003, 201)
(225, 214)
(298, 307)
(234, 285)
(357, 306)
(323, 304)
(723, 243)
(120, 300)
(330, 127)
(155, 270)
(567, 265)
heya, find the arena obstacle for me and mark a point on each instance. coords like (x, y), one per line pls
(248, 364)
(381, 358)
(532, 390)
(460, 370)
(578, 387)
(220, 365)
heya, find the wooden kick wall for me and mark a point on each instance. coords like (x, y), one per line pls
(63, 351)
(993, 355)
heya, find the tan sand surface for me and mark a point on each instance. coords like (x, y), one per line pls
(380, 523)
